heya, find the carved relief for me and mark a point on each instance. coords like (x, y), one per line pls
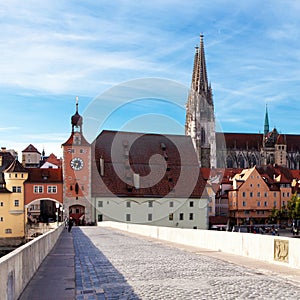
(281, 250)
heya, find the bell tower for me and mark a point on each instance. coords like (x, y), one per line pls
(77, 173)
(200, 118)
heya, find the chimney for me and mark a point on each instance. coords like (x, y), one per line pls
(102, 166)
(136, 180)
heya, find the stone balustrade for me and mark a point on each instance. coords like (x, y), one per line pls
(272, 249)
(18, 267)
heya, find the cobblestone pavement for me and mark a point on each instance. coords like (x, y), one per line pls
(120, 266)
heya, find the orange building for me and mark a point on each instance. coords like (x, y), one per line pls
(43, 188)
(256, 191)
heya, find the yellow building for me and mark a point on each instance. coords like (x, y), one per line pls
(12, 216)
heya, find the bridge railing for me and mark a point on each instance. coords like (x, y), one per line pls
(18, 267)
(273, 249)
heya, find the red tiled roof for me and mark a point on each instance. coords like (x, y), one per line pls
(31, 148)
(44, 175)
(174, 168)
(253, 141)
(52, 159)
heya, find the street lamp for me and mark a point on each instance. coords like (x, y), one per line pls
(57, 207)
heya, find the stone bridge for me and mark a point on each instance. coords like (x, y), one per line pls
(145, 262)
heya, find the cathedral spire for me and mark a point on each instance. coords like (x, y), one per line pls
(203, 82)
(266, 126)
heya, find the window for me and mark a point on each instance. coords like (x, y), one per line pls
(244, 194)
(8, 230)
(275, 194)
(247, 212)
(149, 217)
(38, 189)
(16, 175)
(150, 204)
(283, 194)
(1, 219)
(266, 203)
(266, 194)
(128, 218)
(275, 203)
(100, 203)
(52, 189)
(191, 216)
(171, 204)
(16, 189)
(283, 203)
(258, 194)
(170, 217)
(17, 202)
(244, 203)
(258, 185)
(181, 216)
(191, 203)
(128, 204)
(288, 194)
(71, 150)
(258, 203)
(1, 203)
(100, 218)
(251, 194)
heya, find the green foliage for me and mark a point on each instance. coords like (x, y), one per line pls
(294, 207)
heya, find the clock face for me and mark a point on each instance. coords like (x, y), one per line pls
(77, 163)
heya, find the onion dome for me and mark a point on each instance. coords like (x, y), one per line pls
(76, 119)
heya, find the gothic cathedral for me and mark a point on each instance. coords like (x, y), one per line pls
(200, 118)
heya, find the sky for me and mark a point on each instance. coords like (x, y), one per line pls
(54, 50)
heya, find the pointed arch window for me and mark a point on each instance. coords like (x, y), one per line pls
(203, 137)
(76, 188)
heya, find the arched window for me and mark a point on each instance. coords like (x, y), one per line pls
(202, 136)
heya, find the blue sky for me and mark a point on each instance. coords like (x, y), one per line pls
(53, 51)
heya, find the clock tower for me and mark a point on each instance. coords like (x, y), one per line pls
(77, 174)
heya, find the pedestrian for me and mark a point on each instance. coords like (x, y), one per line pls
(70, 224)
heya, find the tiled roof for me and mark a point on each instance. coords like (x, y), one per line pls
(31, 148)
(44, 175)
(253, 141)
(174, 165)
(7, 160)
(276, 174)
(16, 166)
(54, 160)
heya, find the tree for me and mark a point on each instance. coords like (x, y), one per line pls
(294, 207)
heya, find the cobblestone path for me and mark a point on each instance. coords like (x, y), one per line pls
(120, 266)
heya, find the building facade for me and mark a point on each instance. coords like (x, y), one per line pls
(77, 174)
(148, 179)
(12, 215)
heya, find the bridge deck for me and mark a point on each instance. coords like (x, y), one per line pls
(99, 263)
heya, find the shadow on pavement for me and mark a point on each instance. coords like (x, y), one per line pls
(94, 274)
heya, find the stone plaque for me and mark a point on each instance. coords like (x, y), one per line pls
(281, 250)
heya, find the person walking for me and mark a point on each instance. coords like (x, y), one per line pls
(70, 224)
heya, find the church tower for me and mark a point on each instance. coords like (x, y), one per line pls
(77, 173)
(200, 118)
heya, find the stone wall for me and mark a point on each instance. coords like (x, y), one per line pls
(272, 249)
(18, 267)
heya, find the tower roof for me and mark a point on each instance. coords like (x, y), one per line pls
(199, 78)
(31, 148)
(76, 119)
(266, 126)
